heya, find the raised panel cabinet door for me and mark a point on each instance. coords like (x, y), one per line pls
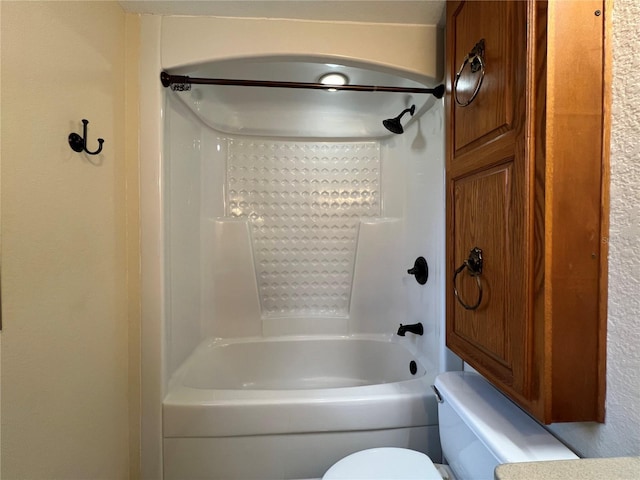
(486, 215)
(487, 203)
(487, 45)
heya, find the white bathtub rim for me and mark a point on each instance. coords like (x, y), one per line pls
(175, 382)
(189, 396)
(405, 342)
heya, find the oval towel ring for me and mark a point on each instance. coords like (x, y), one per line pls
(476, 59)
(474, 265)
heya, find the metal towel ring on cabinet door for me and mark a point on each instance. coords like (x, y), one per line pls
(474, 265)
(475, 59)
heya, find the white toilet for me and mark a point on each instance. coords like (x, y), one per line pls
(479, 429)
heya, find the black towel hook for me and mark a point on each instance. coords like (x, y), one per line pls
(78, 143)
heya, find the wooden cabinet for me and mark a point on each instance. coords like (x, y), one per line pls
(527, 185)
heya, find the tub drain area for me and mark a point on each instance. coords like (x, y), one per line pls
(413, 367)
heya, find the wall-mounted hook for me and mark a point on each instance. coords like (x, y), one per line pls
(78, 143)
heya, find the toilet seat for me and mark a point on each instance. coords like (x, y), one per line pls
(384, 464)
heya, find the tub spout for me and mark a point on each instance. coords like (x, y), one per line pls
(414, 328)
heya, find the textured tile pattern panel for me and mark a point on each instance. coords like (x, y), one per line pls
(304, 201)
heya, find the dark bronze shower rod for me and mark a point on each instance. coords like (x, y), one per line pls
(182, 82)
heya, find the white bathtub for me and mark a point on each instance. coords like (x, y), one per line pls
(283, 408)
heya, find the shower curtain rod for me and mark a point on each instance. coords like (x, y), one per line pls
(182, 82)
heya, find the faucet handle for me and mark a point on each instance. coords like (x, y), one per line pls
(420, 270)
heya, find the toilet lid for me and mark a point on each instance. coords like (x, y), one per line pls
(384, 464)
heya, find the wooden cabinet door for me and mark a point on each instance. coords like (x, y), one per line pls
(487, 188)
(487, 211)
(491, 113)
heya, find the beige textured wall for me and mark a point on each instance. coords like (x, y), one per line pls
(69, 231)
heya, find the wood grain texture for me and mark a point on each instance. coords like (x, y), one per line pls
(573, 210)
(533, 192)
(540, 330)
(491, 113)
(483, 204)
(487, 194)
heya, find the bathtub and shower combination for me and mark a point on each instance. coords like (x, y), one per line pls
(290, 219)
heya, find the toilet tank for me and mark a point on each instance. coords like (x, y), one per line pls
(480, 428)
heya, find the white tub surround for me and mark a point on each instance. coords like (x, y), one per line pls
(290, 217)
(291, 254)
(291, 236)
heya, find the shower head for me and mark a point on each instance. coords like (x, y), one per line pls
(394, 125)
